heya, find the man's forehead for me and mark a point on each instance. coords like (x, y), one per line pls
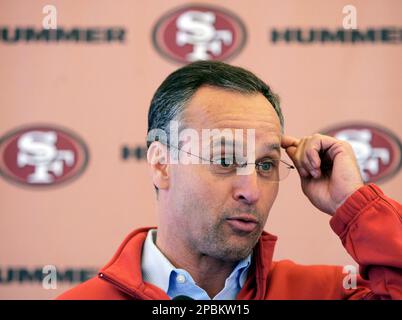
(267, 146)
(219, 108)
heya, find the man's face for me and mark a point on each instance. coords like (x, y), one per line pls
(213, 213)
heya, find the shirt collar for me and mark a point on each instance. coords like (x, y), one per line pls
(242, 268)
(157, 269)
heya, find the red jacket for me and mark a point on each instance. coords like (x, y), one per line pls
(368, 223)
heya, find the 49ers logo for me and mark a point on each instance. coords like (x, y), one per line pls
(378, 151)
(199, 33)
(42, 156)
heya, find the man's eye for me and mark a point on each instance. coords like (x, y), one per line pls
(266, 165)
(224, 163)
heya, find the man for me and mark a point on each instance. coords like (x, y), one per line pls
(210, 242)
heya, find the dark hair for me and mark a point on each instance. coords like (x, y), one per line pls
(170, 99)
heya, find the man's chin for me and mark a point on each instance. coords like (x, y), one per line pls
(236, 252)
(237, 256)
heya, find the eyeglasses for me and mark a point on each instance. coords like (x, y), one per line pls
(274, 170)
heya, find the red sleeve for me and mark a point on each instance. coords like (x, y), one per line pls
(370, 227)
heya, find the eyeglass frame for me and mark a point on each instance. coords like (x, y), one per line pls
(242, 165)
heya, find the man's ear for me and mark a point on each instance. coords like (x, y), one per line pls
(157, 157)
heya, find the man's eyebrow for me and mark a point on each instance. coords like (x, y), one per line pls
(273, 147)
(230, 142)
(269, 150)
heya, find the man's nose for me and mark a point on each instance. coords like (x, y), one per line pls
(246, 188)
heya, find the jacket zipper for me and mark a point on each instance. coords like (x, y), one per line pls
(126, 290)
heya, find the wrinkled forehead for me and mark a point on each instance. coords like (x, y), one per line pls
(238, 144)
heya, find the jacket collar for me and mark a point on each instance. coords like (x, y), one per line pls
(124, 269)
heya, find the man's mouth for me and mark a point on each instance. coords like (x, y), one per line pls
(243, 222)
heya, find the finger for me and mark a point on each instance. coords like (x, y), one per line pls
(304, 159)
(291, 152)
(290, 145)
(320, 142)
(317, 144)
(300, 154)
(289, 141)
(311, 156)
(314, 158)
(303, 173)
(298, 157)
